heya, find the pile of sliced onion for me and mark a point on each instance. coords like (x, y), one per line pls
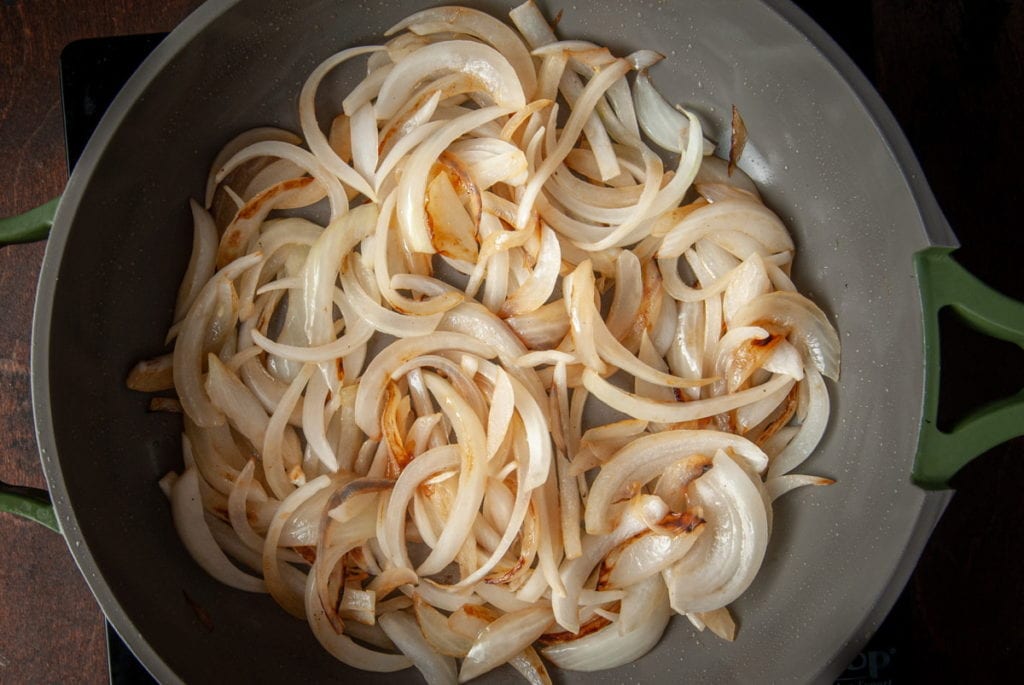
(527, 390)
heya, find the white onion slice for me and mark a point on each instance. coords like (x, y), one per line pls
(504, 638)
(723, 562)
(311, 164)
(536, 290)
(187, 511)
(609, 647)
(573, 127)
(750, 218)
(480, 25)
(483, 62)
(802, 321)
(574, 572)
(412, 188)
(662, 122)
(472, 474)
(381, 318)
(391, 529)
(315, 137)
(272, 571)
(237, 509)
(405, 633)
(643, 459)
(364, 143)
(371, 389)
(202, 262)
(188, 351)
(811, 430)
(780, 485)
(243, 140)
(342, 647)
(653, 552)
(434, 626)
(676, 412)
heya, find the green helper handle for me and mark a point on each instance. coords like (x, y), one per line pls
(944, 283)
(30, 503)
(32, 225)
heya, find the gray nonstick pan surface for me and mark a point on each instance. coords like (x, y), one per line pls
(829, 159)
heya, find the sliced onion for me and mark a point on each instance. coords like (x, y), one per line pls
(152, 375)
(608, 647)
(391, 529)
(662, 122)
(434, 626)
(371, 389)
(652, 552)
(272, 571)
(452, 230)
(803, 321)
(573, 127)
(676, 412)
(382, 318)
(579, 300)
(531, 667)
(780, 485)
(504, 638)
(311, 129)
(187, 511)
(574, 572)
(243, 411)
(364, 143)
(237, 509)
(536, 290)
(472, 474)
(493, 71)
(453, 473)
(480, 25)
(543, 328)
(750, 218)
(305, 160)
(405, 633)
(738, 140)
(239, 142)
(723, 563)
(346, 650)
(188, 352)
(646, 457)
(720, 622)
(714, 170)
(202, 262)
(811, 429)
(412, 187)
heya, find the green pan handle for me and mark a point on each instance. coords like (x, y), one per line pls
(32, 225)
(944, 283)
(30, 503)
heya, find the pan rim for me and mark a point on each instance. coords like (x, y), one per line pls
(937, 231)
(46, 290)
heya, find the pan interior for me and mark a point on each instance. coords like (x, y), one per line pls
(122, 243)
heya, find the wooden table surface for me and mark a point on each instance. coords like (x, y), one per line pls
(953, 73)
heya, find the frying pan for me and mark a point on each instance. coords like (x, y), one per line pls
(830, 160)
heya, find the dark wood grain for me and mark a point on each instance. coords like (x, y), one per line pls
(951, 70)
(51, 630)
